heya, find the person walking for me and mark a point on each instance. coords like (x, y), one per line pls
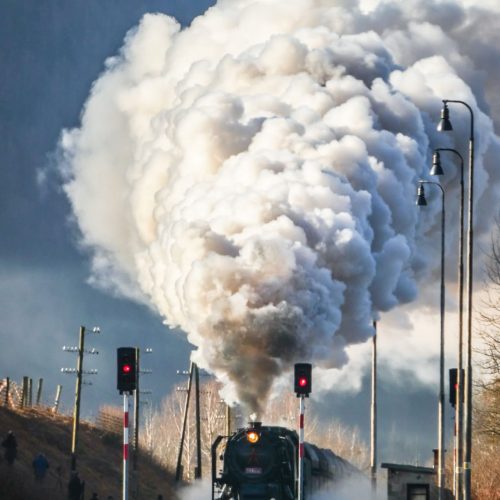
(75, 487)
(10, 445)
(40, 465)
(59, 472)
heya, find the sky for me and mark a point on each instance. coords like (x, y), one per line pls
(52, 52)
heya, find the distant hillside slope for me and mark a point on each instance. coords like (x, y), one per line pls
(99, 460)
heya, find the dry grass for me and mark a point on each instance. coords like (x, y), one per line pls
(99, 460)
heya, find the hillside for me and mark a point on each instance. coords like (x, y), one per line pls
(99, 460)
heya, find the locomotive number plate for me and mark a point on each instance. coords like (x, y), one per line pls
(253, 470)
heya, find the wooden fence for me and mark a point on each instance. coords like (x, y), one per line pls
(20, 396)
(110, 419)
(11, 394)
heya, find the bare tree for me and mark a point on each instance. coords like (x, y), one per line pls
(344, 441)
(147, 432)
(213, 418)
(486, 431)
(162, 429)
(488, 399)
(284, 411)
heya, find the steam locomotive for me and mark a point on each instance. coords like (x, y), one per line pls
(260, 462)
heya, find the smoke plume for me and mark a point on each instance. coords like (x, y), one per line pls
(252, 177)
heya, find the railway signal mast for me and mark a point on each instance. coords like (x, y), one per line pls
(302, 386)
(126, 384)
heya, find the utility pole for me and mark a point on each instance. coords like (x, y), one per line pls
(193, 372)
(197, 472)
(137, 404)
(228, 420)
(136, 411)
(373, 415)
(178, 470)
(78, 387)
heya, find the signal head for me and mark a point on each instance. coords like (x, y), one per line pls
(127, 369)
(303, 379)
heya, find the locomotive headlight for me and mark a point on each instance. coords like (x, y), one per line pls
(253, 437)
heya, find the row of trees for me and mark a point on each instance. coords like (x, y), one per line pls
(486, 435)
(162, 429)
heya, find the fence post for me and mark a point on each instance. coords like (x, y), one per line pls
(24, 395)
(7, 389)
(39, 391)
(30, 392)
(58, 398)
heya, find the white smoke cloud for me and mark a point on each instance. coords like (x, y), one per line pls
(352, 488)
(197, 490)
(252, 177)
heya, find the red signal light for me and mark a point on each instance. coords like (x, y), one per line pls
(126, 368)
(302, 379)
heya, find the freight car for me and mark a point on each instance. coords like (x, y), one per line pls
(261, 462)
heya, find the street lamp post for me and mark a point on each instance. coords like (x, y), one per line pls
(421, 201)
(445, 125)
(438, 170)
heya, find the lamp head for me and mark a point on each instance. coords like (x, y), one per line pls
(444, 124)
(436, 169)
(421, 201)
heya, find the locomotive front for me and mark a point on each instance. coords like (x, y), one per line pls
(259, 462)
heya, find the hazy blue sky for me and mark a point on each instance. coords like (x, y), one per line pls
(50, 53)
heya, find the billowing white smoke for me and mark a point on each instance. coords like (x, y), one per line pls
(253, 176)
